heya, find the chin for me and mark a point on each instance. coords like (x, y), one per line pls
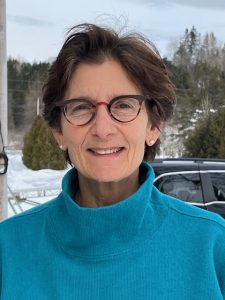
(104, 178)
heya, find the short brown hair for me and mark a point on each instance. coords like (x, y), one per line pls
(89, 43)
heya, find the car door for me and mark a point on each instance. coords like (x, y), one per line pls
(214, 190)
(184, 185)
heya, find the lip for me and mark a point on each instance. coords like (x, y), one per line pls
(106, 152)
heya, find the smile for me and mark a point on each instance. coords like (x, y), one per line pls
(106, 151)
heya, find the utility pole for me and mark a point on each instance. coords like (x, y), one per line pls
(3, 104)
(38, 106)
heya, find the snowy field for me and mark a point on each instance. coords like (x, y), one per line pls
(34, 186)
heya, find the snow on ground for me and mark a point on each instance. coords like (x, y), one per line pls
(22, 180)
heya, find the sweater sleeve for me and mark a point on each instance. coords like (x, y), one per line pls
(219, 259)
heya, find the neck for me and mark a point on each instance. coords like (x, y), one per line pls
(96, 194)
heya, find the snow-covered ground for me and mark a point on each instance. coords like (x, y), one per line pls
(38, 186)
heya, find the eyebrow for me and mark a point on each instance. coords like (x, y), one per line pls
(94, 100)
(80, 98)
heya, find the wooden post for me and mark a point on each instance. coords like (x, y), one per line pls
(3, 105)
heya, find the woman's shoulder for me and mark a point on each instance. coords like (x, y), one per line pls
(28, 219)
(192, 213)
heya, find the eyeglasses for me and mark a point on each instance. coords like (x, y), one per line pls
(81, 111)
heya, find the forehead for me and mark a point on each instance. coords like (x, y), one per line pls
(104, 80)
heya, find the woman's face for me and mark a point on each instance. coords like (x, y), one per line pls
(105, 150)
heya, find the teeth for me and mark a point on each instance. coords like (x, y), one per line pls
(106, 151)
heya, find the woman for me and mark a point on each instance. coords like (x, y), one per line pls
(111, 234)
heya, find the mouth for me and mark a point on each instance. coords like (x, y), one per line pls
(106, 151)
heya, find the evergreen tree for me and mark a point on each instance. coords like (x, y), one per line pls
(40, 150)
(208, 139)
(25, 81)
(16, 95)
(187, 51)
(198, 74)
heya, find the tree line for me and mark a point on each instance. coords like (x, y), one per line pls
(197, 68)
(25, 81)
(198, 65)
(198, 72)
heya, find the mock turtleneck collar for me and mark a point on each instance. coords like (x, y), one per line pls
(109, 230)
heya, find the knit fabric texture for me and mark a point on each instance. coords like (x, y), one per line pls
(148, 246)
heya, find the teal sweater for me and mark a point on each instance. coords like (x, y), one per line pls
(149, 246)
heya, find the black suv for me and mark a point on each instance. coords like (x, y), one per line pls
(200, 182)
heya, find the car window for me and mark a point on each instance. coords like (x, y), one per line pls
(186, 187)
(218, 182)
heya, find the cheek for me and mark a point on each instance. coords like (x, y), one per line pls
(141, 131)
(73, 140)
(138, 138)
(71, 135)
(74, 146)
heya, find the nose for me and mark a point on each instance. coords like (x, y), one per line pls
(103, 125)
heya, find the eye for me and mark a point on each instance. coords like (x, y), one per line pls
(125, 104)
(78, 108)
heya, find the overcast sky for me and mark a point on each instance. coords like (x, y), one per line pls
(36, 29)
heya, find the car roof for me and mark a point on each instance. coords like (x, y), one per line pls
(187, 164)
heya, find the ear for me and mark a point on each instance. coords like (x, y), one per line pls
(152, 134)
(59, 139)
